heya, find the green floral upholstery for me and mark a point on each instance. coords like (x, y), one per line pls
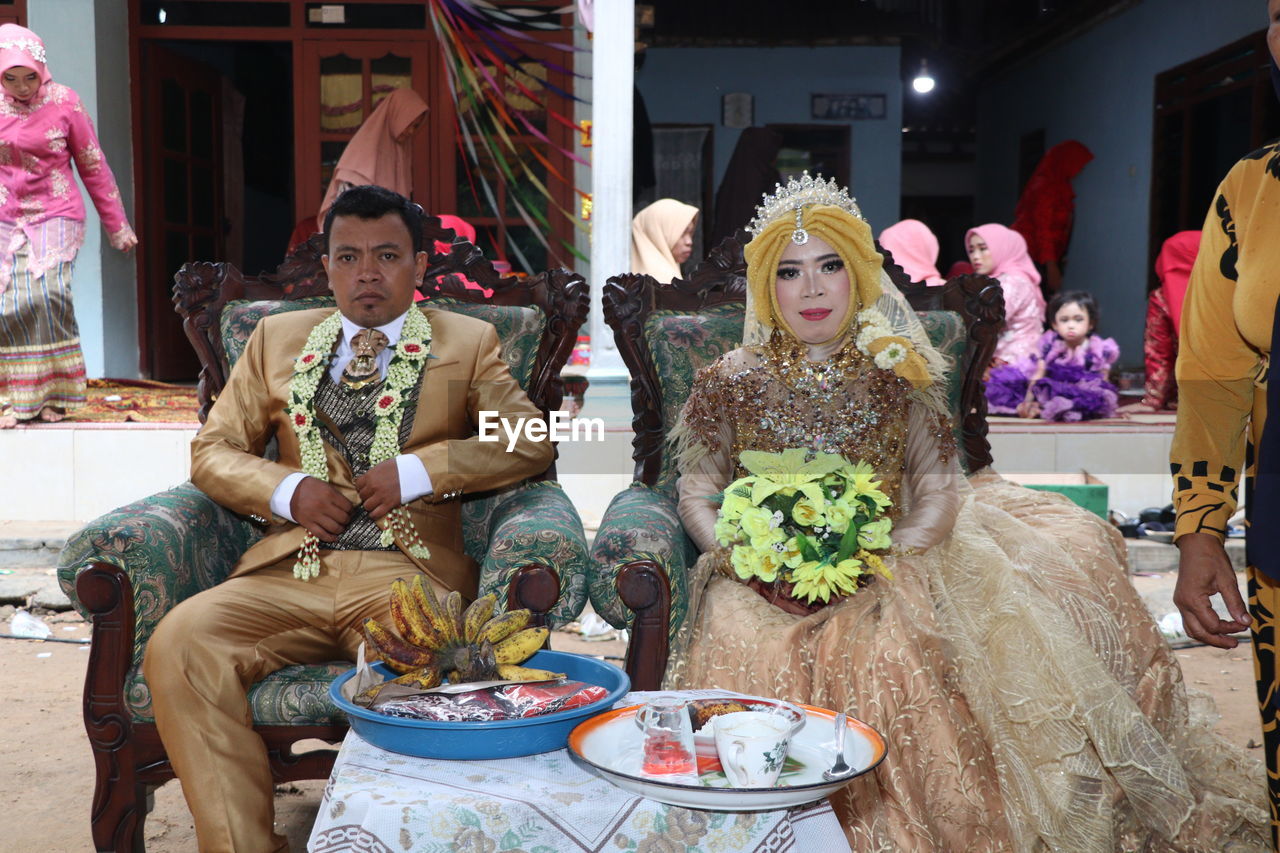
(240, 317)
(293, 696)
(519, 331)
(642, 522)
(179, 542)
(681, 345)
(532, 523)
(156, 542)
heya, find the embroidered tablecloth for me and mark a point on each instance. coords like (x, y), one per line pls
(379, 802)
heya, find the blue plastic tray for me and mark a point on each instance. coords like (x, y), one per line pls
(489, 739)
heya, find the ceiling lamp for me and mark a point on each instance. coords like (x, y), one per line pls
(923, 82)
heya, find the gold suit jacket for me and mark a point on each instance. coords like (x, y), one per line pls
(464, 376)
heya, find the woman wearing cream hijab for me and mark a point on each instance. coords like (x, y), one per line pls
(662, 238)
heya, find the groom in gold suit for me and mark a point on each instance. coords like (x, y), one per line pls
(208, 651)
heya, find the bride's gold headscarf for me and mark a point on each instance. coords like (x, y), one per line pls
(887, 328)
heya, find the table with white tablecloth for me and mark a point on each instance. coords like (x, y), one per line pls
(384, 801)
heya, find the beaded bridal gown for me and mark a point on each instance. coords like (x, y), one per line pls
(1027, 698)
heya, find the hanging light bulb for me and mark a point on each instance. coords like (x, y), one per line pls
(162, 15)
(923, 82)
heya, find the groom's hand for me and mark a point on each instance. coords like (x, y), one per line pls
(379, 488)
(320, 508)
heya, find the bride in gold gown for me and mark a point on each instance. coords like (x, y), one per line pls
(1027, 698)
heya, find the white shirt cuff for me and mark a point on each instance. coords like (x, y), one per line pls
(282, 497)
(414, 479)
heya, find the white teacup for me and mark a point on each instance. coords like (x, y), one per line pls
(752, 746)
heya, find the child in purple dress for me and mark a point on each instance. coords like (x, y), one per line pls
(1065, 379)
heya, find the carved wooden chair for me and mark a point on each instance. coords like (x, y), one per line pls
(125, 570)
(666, 333)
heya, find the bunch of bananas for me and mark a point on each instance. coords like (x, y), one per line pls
(439, 640)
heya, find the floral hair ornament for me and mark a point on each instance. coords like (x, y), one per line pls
(411, 353)
(19, 46)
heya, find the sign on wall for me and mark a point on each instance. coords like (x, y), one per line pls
(847, 107)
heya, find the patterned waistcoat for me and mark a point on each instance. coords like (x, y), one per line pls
(346, 421)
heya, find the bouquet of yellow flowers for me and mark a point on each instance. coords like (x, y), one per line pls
(814, 520)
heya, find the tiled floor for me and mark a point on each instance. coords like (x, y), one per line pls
(77, 474)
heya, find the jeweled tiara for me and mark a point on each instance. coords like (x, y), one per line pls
(796, 195)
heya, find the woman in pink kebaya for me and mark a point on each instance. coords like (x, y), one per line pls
(43, 129)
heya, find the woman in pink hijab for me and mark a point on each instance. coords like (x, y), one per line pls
(914, 248)
(1001, 252)
(43, 129)
(381, 152)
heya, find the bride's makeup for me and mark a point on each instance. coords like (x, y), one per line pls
(812, 290)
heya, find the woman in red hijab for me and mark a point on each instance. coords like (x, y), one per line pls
(1164, 320)
(1047, 207)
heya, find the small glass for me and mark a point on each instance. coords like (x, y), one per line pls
(668, 737)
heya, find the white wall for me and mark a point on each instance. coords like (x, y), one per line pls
(684, 85)
(88, 47)
(1100, 89)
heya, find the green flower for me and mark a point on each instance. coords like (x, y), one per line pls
(757, 522)
(839, 514)
(861, 479)
(808, 512)
(791, 556)
(874, 535)
(745, 561)
(789, 469)
(734, 505)
(774, 538)
(815, 581)
(768, 564)
(727, 531)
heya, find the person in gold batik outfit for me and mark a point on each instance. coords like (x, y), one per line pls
(1027, 698)
(1223, 370)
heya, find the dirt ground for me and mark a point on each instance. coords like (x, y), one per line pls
(47, 786)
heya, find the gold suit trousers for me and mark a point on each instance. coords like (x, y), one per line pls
(208, 651)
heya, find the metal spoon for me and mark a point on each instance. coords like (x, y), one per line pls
(840, 768)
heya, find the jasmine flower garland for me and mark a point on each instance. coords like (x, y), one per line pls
(411, 352)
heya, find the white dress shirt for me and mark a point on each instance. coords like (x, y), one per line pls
(414, 479)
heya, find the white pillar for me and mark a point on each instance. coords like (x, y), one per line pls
(613, 74)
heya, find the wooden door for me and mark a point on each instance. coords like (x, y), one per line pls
(182, 216)
(13, 12)
(340, 84)
(1209, 113)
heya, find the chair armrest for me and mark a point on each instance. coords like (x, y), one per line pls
(168, 546)
(640, 524)
(538, 526)
(639, 566)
